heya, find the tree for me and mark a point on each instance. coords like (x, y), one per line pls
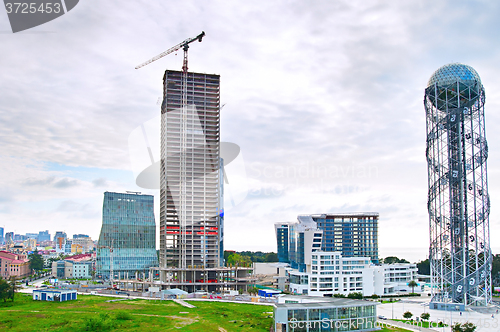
(355, 295)
(36, 261)
(468, 327)
(412, 284)
(13, 287)
(4, 290)
(393, 260)
(425, 315)
(407, 315)
(465, 327)
(424, 267)
(271, 257)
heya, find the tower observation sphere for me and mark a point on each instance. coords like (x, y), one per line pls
(458, 201)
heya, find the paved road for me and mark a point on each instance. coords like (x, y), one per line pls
(482, 319)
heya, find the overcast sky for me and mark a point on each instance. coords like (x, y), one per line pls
(323, 97)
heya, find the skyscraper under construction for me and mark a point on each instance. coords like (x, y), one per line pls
(191, 212)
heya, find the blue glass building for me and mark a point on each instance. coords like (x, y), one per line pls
(353, 234)
(128, 226)
(282, 239)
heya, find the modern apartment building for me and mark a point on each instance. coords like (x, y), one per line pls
(353, 234)
(331, 273)
(128, 235)
(282, 237)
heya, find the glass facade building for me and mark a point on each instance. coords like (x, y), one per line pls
(355, 235)
(128, 226)
(324, 315)
(282, 239)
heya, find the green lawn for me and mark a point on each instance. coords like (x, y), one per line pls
(393, 329)
(93, 313)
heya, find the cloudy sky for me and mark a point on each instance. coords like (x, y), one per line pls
(323, 97)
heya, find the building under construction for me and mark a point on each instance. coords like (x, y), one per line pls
(191, 183)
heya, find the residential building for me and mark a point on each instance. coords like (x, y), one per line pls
(31, 235)
(353, 234)
(282, 236)
(30, 244)
(77, 266)
(43, 236)
(9, 238)
(14, 265)
(129, 229)
(84, 243)
(331, 273)
(60, 242)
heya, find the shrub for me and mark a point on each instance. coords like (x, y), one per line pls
(407, 315)
(99, 323)
(123, 315)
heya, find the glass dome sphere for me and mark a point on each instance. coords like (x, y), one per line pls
(453, 72)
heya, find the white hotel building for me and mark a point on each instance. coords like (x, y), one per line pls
(330, 273)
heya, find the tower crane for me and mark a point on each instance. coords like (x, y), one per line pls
(185, 47)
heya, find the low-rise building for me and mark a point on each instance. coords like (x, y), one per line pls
(306, 313)
(58, 295)
(14, 265)
(330, 274)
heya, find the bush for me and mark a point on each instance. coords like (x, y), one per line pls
(407, 315)
(123, 315)
(99, 323)
(355, 295)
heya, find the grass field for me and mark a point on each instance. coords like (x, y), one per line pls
(93, 313)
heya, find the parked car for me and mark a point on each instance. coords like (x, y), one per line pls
(382, 317)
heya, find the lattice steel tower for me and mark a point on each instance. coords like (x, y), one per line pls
(458, 201)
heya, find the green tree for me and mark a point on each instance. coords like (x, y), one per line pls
(13, 287)
(468, 327)
(424, 267)
(4, 290)
(271, 257)
(355, 295)
(408, 315)
(393, 260)
(36, 261)
(412, 284)
(425, 316)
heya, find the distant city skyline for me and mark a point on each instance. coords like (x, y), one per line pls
(323, 98)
